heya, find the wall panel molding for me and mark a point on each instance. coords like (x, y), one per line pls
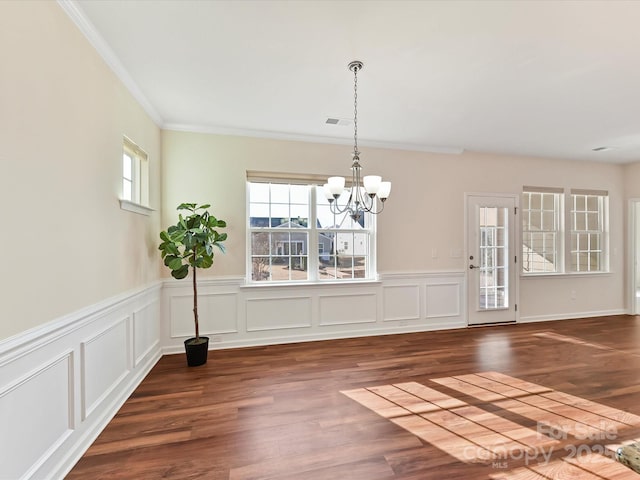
(401, 302)
(278, 313)
(146, 332)
(105, 364)
(23, 398)
(271, 314)
(347, 309)
(85, 365)
(443, 299)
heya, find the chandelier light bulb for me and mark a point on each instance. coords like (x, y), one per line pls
(372, 183)
(384, 191)
(326, 189)
(336, 185)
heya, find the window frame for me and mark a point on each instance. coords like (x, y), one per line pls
(313, 231)
(137, 198)
(558, 230)
(566, 230)
(602, 231)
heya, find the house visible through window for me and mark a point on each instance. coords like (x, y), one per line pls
(135, 174)
(551, 244)
(289, 219)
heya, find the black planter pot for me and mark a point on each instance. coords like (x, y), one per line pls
(196, 352)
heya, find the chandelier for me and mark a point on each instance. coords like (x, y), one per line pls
(366, 194)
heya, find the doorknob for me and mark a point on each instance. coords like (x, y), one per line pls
(471, 267)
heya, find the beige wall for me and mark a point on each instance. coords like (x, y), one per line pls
(632, 180)
(425, 210)
(65, 242)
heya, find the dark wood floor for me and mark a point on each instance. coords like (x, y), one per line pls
(411, 407)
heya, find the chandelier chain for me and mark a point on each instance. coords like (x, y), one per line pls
(355, 110)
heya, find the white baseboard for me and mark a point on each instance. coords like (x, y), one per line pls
(279, 339)
(570, 316)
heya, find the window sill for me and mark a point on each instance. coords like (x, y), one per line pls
(565, 275)
(328, 283)
(136, 207)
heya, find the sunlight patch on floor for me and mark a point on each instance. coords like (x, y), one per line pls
(562, 436)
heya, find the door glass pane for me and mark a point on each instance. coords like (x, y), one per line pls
(494, 254)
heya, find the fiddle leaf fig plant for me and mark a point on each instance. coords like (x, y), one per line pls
(189, 244)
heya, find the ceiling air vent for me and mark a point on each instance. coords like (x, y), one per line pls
(338, 121)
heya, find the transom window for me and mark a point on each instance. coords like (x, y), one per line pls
(551, 244)
(289, 220)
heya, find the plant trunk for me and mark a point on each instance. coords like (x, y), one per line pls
(195, 301)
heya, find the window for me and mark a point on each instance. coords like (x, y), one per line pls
(587, 230)
(541, 234)
(494, 255)
(135, 178)
(289, 218)
(545, 233)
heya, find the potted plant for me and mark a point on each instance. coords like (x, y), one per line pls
(189, 243)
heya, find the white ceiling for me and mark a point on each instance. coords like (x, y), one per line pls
(544, 78)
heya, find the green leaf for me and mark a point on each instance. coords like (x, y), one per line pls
(168, 259)
(206, 205)
(164, 236)
(188, 241)
(177, 235)
(205, 261)
(172, 248)
(187, 206)
(181, 272)
(175, 263)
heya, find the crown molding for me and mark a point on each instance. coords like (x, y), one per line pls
(297, 137)
(77, 16)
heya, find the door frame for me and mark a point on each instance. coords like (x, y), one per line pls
(517, 251)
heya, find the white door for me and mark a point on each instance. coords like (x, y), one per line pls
(491, 259)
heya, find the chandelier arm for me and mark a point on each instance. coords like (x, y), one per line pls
(370, 208)
(336, 210)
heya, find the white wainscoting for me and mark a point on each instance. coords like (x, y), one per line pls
(61, 383)
(233, 314)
